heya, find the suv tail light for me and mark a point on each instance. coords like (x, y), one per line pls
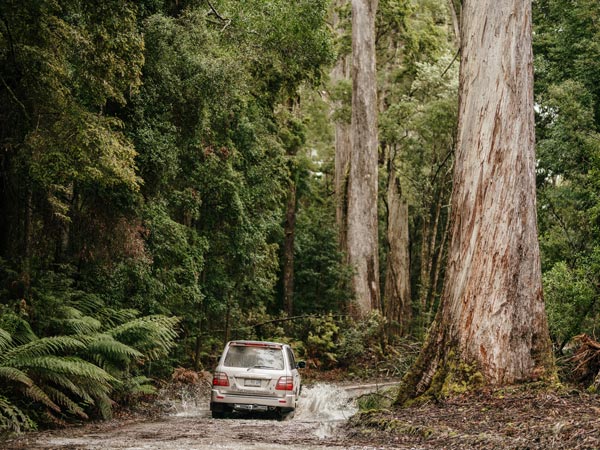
(285, 384)
(220, 379)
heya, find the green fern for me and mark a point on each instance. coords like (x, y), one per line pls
(71, 374)
(12, 418)
(5, 340)
(154, 336)
(73, 321)
(60, 398)
(41, 347)
(13, 375)
(104, 350)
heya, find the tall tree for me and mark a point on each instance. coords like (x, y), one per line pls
(397, 304)
(340, 76)
(492, 315)
(363, 180)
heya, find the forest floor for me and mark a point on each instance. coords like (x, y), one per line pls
(518, 418)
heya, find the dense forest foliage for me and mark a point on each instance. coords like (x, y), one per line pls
(151, 154)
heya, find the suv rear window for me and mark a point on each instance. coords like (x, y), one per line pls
(246, 356)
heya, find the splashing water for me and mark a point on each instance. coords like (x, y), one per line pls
(186, 402)
(326, 404)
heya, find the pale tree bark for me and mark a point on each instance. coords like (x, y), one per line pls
(342, 153)
(362, 182)
(341, 73)
(397, 301)
(492, 315)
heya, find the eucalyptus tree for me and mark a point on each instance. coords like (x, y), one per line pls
(342, 99)
(491, 326)
(362, 230)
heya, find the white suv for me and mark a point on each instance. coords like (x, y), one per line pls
(256, 376)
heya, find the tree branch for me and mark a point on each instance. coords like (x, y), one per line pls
(219, 16)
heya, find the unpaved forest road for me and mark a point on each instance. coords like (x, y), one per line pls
(315, 425)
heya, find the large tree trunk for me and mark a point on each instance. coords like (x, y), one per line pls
(398, 308)
(492, 315)
(362, 183)
(341, 74)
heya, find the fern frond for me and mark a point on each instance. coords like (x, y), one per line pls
(11, 374)
(65, 382)
(90, 304)
(34, 392)
(71, 366)
(69, 312)
(112, 349)
(105, 406)
(22, 334)
(62, 399)
(140, 385)
(5, 340)
(154, 336)
(12, 418)
(79, 326)
(116, 317)
(41, 347)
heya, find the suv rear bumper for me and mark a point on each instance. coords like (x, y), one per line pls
(219, 399)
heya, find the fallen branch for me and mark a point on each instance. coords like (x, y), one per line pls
(586, 360)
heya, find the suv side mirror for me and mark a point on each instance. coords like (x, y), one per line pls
(301, 365)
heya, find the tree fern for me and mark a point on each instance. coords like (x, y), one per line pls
(107, 352)
(152, 335)
(70, 374)
(13, 375)
(73, 321)
(60, 398)
(37, 394)
(12, 418)
(41, 347)
(5, 340)
(71, 366)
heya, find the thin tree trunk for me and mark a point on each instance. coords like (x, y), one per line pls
(423, 274)
(288, 250)
(398, 308)
(491, 316)
(438, 268)
(27, 244)
(362, 184)
(455, 19)
(197, 350)
(428, 266)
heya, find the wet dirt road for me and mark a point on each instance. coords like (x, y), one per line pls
(316, 425)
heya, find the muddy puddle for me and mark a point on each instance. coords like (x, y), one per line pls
(187, 424)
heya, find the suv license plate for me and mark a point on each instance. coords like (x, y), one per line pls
(252, 382)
